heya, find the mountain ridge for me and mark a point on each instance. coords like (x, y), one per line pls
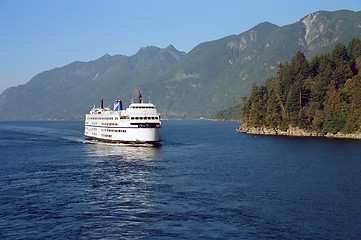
(60, 87)
(242, 60)
(213, 76)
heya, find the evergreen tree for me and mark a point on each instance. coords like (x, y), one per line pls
(253, 110)
(353, 89)
(285, 80)
(324, 76)
(300, 67)
(341, 65)
(258, 106)
(296, 95)
(314, 65)
(354, 48)
(318, 120)
(335, 110)
(274, 115)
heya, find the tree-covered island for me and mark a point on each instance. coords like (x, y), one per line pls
(321, 97)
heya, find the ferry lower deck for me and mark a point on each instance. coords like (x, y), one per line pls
(137, 133)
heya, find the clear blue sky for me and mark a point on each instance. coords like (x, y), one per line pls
(39, 35)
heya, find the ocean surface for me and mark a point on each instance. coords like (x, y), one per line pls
(206, 181)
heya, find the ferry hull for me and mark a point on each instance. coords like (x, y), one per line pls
(148, 135)
(130, 135)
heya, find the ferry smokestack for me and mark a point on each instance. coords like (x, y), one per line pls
(140, 97)
(118, 105)
(101, 104)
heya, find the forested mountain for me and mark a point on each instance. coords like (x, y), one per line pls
(70, 91)
(322, 95)
(213, 76)
(216, 75)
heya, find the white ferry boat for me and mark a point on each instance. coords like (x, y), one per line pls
(139, 123)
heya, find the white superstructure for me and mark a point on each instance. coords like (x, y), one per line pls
(139, 123)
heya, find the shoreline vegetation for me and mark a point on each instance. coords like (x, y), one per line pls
(317, 98)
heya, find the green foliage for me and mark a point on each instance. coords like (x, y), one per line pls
(354, 48)
(335, 111)
(323, 95)
(212, 76)
(231, 114)
(341, 65)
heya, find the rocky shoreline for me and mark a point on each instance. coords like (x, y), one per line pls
(293, 131)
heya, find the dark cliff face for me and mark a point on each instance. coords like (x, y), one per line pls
(213, 76)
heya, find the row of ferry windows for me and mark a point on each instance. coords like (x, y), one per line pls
(101, 118)
(114, 130)
(144, 118)
(142, 107)
(115, 124)
(108, 118)
(106, 135)
(90, 129)
(110, 124)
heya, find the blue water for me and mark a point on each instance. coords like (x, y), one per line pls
(206, 181)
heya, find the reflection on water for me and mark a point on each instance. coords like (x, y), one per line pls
(145, 152)
(121, 180)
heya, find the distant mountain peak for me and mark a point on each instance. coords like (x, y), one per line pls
(214, 74)
(257, 33)
(106, 57)
(171, 48)
(265, 24)
(149, 48)
(175, 53)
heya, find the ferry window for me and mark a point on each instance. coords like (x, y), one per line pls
(136, 118)
(132, 118)
(141, 118)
